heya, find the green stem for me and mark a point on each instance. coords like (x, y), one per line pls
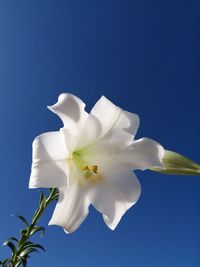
(25, 236)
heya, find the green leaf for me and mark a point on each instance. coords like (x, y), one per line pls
(42, 197)
(36, 212)
(23, 261)
(35, 246)
(43, 203)
(38, 229)
(55, 197)
(39, 211)
(174, 163)
(22, 219)
(54, 193)
(27, 251)
(23, 244)
(23, 232)
(10, 245)
(12, 238)
(51, 190)
(5, 263)
(18, 263)
(28, 243)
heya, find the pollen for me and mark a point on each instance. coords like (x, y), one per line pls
(95, 168)
(85, 168)
(87, 172)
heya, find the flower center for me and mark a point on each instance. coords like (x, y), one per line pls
(90, 172)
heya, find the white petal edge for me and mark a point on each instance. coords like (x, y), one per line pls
(71, 209)
(114, 197)
(49, 165)
(49, 174)
(71, 111)
(49, 146)
(117, 124)
(141, 154)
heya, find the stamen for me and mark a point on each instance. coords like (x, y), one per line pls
(90, 172)
(95, 168)
(85, 168)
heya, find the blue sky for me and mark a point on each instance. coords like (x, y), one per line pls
(142, 55)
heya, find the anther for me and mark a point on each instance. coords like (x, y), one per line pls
(85, 168)
(95, 168)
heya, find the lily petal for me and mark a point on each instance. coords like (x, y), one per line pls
(49, 146)
(140, 154)
(71, 111)
(90, 133)
(115, 196)
(117, 125)
(49, 167)
(70, 139)
(71, 209)
(49, 174)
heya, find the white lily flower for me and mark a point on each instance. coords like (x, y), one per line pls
(91, 161)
